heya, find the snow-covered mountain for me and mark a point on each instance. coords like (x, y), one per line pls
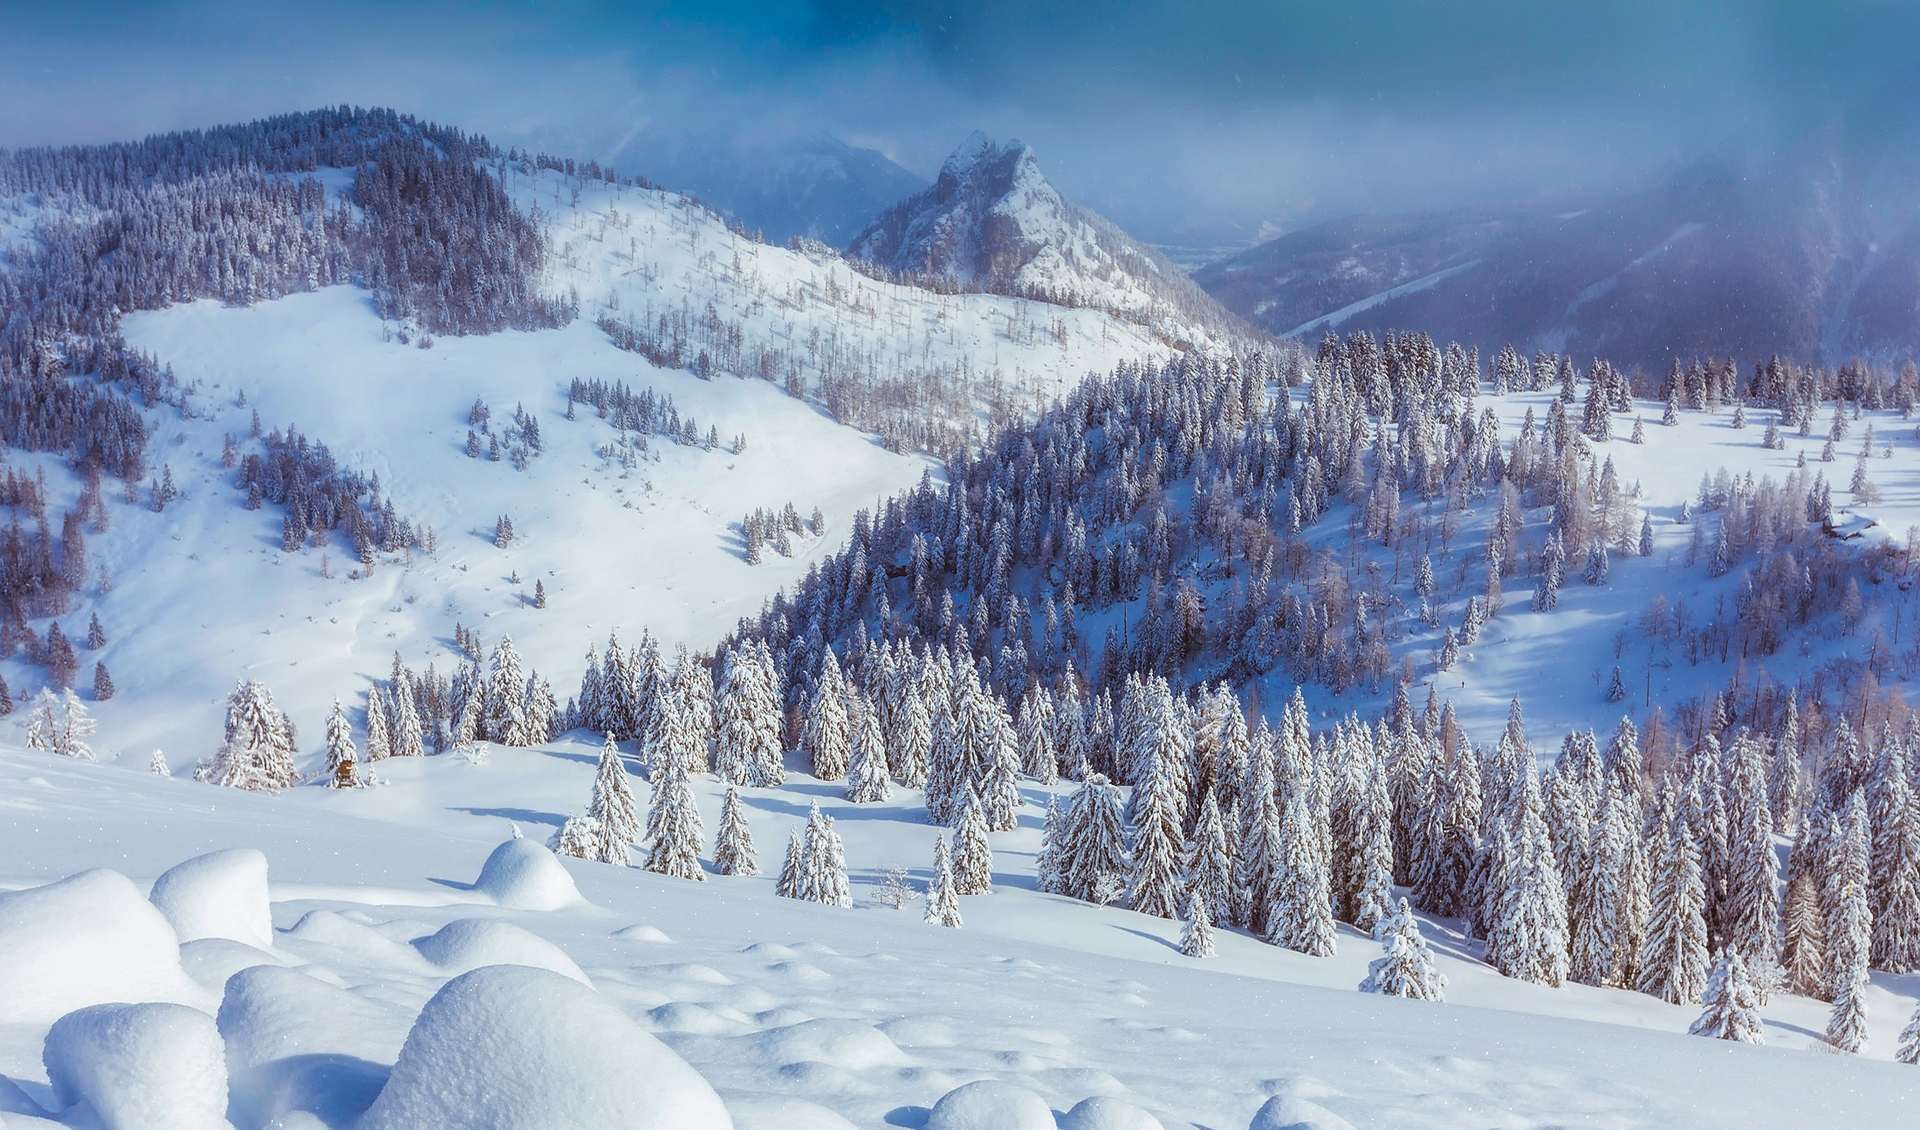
(992, 221)
(1814, 257)
(784, 186)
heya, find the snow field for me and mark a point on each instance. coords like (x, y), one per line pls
(865, 1017)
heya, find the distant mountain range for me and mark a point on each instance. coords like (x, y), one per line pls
(992, 221)
(1815, 258)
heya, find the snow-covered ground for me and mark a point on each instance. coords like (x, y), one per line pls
(793, 1010)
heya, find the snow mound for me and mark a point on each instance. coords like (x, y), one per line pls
(222, 894)
(335, 931)
(523, 875)
(469, 943)
(781, 1113)
(295, 1043)
(87, 939)
(509, 1048)
(211, 961)
(691, 1019)
(1102, 1113)
(843, 1043)
(1291, 1112)
(991, 1105)
(139, 1067)
(651, 934)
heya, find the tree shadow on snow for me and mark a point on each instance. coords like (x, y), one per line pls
(1169, 943)
(518, 815)
(892, 813)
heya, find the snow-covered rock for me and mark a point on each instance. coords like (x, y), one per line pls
(469, 943)
(222, 894)
(139, 1067)
(989, 1104)
(1103, 1113)
(294, 1043)
(87, 939)
(510, 1048)
(523, 875)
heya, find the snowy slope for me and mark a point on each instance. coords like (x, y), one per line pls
(203, 595)
(992, 220)
(869, 1013)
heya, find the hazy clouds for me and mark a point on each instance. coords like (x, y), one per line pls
(1158, 111)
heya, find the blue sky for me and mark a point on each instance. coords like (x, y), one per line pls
(1155, 110)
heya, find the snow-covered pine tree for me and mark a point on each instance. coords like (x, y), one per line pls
(823, 864)
(1752, 908)
(1673, 958)
(1849, 918)
(867, 781)
(1197, 939)
(748, 742)
(1596, 901)
(613, 808)
(257, 750)
(1036, 729)
(1207, 862)
(504, 702)
(1372, 896)
(1301, 897)
(1847, 1023)
(693, 696)
(406, 736)
(999, 784)
(1895, 863)
(1155, 816)
(1406, 968)
(1527, 939)
(343, 760)
(157, 765)
(1258, 854)
(733, 848)
(826, 735)
(1732, 1003)
(943, 902)
(1093, 846)
(972, 850)
(787, 885)
(674, 830)
(379, 739)
(1909, 1049)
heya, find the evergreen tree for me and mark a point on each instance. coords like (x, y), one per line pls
(102, 683)
(504, 713)
(1909, 1050)
(343, 760)
(1197, 939)
(733, 847)
(405, 734)
(1673, 958)
(1405, 968)
(256, 752)
(788, 884)
(580, 838)
(1732, 1003)
(972, 851)
(379, 741)
(1597, 899)
(822, 874)
(827, 731)
(867, 781)
(1207, 863)
(1849, 918)
(612, 807)
(674, 829)
(1154, 840)
(1093, 845)
(1752, 904)
(1301, 917)
(943, 901)
(1847, 1023)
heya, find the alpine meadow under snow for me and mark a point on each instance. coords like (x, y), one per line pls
(517, 651)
